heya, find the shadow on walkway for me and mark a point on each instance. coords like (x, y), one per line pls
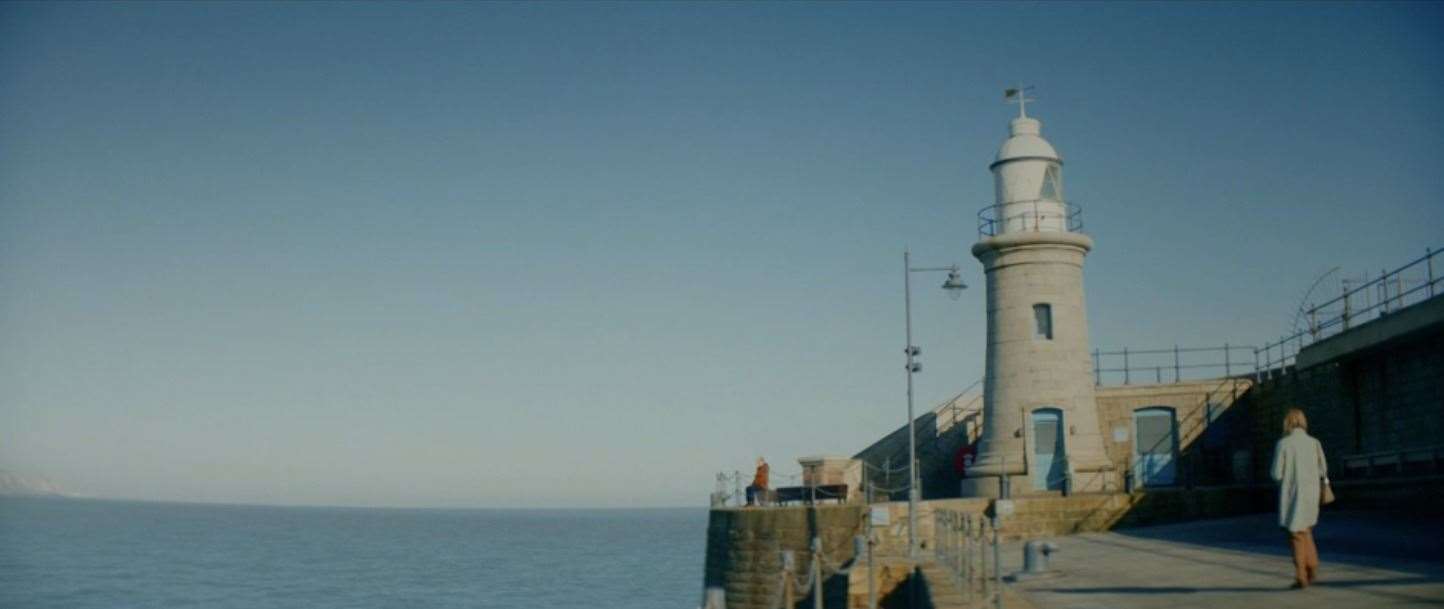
(1342, 537)
(1397, 581)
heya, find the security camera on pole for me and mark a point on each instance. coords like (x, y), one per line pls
(954, 285)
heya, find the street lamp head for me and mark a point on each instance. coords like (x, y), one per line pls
(954, 285)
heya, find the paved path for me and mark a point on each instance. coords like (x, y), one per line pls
(1367, 560)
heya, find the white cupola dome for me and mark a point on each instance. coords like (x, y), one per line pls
(1026, 142)
(1028, 176)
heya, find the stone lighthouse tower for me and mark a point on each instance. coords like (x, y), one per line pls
(1040, 419)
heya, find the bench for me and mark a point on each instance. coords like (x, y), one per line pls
(1393, 462)
(804, 494)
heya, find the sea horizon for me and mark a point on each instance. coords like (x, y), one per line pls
(343, 506)
(83, 553)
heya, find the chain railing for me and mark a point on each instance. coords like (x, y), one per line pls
(877, 484)
(819, 568)
(1392, 291)
(1173, 365)
(730, 487)
(962, 544)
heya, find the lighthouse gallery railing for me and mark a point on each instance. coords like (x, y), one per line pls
(1038, 215)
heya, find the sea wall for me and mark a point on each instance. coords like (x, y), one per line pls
(1372, 389)
(744, 551)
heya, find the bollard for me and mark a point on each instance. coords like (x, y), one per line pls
(997, 564)
(816, 573)
(1035, 557)
(787, 564)
(714, 598)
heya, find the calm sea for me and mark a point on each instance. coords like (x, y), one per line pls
(80, 554)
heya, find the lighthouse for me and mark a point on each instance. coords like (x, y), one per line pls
(1040, 417)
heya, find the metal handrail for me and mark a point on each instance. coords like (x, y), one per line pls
(991, 218)
(1170, 369)
(1281, 354)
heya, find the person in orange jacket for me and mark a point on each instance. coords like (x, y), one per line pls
(758, 489)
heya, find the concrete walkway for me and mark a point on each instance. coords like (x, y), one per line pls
(1367, 560)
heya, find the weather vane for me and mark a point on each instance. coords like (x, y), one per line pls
(1019, 95)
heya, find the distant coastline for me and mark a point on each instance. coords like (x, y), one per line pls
(15, 485)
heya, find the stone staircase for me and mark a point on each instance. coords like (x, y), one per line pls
(940, 431)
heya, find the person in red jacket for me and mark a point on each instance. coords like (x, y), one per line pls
(963, 459)
(757, 491)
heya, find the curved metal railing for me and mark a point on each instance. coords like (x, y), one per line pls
(1038, 215)
(1389, 293)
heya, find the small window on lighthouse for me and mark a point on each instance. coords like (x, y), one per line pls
(1052, 184)
(1043, 320)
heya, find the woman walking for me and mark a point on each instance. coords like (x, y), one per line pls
(1301, 472)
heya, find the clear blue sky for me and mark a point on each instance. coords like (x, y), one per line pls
(588, 255)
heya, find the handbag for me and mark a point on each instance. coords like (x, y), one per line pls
(1326, 492)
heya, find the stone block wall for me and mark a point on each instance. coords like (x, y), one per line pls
(744, 551)
(1387, 397)
(1036, 517)
(1199, 407)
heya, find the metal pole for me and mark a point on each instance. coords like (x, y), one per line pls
(983, 558)
(1227, 373)
(967, 551)
(1097, 373)
(871, 577)
(816, 573)
(959, 553)
(1384, 289)
(1429, 263)
(912, 437)
(1346, 305)
(1176, 366)
(1125, 366)
(997, 564)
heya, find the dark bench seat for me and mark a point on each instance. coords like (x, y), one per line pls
(1394, 462)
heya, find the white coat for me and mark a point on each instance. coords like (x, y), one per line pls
(1298, 467)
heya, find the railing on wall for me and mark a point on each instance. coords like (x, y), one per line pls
(962, 545)
(965, 409)
(1390, 292)
(1174, 365)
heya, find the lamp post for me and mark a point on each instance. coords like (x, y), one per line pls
(954, 285)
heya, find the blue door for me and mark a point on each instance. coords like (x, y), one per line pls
(1155, 445)
(1048, 454)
